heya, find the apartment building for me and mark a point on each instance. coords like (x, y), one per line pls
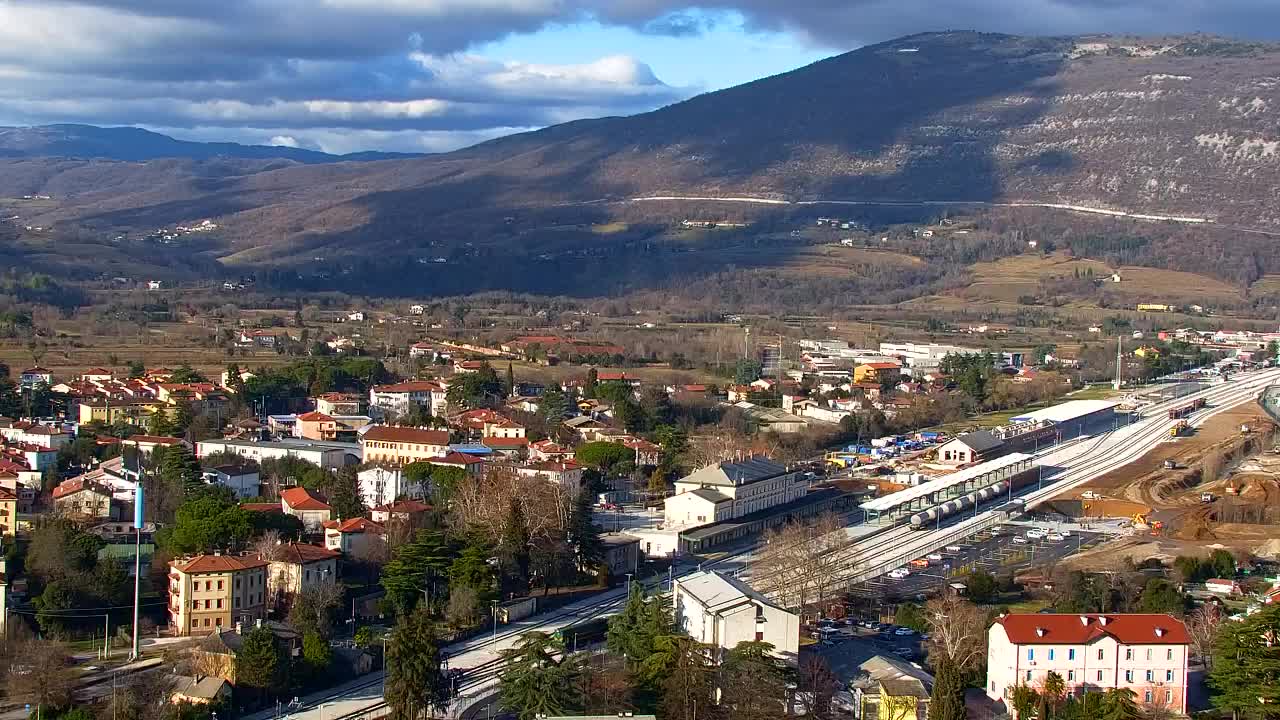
(8, 513)
(1147, 654)
(403, 445)
(297, 568)
(208, 593)
(722, 611)
(309, 507)
(399, 398)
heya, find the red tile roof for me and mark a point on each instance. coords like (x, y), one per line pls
(262, 507)
(75, 485)
(7, 494)
(498, 443)
(883, 366)
(456, 458)
(154, 439)
(403, 506)
(218, 564)
(553, 466)
(408, 387)
(387, 433)
(1073, 629)
(301, 554)
(315, 416)
(300, 498)
(354, 525)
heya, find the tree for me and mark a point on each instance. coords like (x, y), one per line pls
(630, 415)
(603, 455)
(593, 382)
(260, 664)
(1222, 564)
(1245, 676)
(1053, 690)
(178, 468)
(797, 563)
(208, 521)
(1161, 596)
(957, 632)
(471, 569)
(49, 678)
(475, 389)
(583, 535)
(687, 677)
(1203, 627)
(342, 490)
(136, 369)
(535, 682)
(982, 587)
(746, 371)
(418, 570)
(511, 381)
(910, 615)
(553, 405)
(316, 655)
(818, 686)
(313, 609)
(753, 683)
(947, 700)
(463, 610)
(415, 685)
(513, 551)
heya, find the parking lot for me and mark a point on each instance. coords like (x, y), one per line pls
(848, 646)
(1001, 550)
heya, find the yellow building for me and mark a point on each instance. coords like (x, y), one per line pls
(8, 513)
(110, 413)
(874, 372)
(1156, 307)
(403, 445)
(208, 593)
(1147, 351)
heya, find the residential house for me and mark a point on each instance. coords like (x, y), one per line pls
(511, 448)
(82, 498)
(146, 444)
(97, 375)
(395, 445)
(328, 455)
(464, 367)
(34, 377)
(352, 537)
(566, 474)
(425, 350)
(549, 450)
(215, 655)
(400, 511)
(243, 479)
(400, 398)
(586, 427)
(469, 463)
(316, 425)
(199, 690)
(729, 490)
(380, 485)
(1218, 586)
(296, 568)
(309, 507)
(28, 433)
(876, 372)
(336, 403)
(887, 688)
(1145, 653)
(211, 592)
(721, 611)
(647, 453)
(971, 447)
(8, 513)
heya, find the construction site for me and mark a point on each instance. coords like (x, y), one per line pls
(1216, 486)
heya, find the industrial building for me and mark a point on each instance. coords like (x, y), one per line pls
(1073, 418)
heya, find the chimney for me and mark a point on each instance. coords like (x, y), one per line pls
(257, 623)
(1103, 619)
(1084, 619)
(217, 552)
(1159, 632)
(1040, 632)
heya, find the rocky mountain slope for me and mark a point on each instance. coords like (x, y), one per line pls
(1181, 126)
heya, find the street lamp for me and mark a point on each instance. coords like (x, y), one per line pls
(494, 605)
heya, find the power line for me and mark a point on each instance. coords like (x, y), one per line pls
(100, 610)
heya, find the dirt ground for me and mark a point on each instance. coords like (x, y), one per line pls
(1173, 497)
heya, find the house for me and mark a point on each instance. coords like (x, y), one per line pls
(417, 309)
(513, 448)
(970, 448)
(887, 688)
(380, 485)
(352, 537)
(307, 506)
(328, 455)
(146, 444)
(215, 655)
(876, 371)
(97, 375)
(34, 377)
(295, 568)
(621, 553)
(425, 350)
(399, 511)
(647, 453)
(549, 450)
(586, 427)
(316, 425)
(722, 611)
(8, 513)
(199, 690)
(356, 316)
(83, 498)
(211, 592)
(729, 490)
(336, 403)
(464, 367)
(397, 445)
(28, 433)
(1219, 586)
(465, 461)
(243, 478)
(1147, 351)
(399, 398)
(1145, 653)
(567, 474)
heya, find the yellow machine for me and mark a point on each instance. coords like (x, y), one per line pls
(1179, 428)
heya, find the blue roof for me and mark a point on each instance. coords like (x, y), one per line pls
(471, 449)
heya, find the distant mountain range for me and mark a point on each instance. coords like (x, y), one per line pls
(136, 145)
(1178, 126)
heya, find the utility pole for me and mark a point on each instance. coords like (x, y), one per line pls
(137, 556)
(1119, 363)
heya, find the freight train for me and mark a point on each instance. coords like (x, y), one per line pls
(1185, 410)
(929, 518)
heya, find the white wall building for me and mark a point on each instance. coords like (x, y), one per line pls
(923, 357)
(730, 490)
(379, 486)
(328, 455)
(722, 611)
(400, 397)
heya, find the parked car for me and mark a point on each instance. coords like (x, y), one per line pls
(904, 631)
(1054, 537)
(1019, 540)
(934, 557)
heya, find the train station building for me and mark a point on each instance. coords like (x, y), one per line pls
(989, 476)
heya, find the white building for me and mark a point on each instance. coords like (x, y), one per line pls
(730, 490)
(722, 611)
(921, 357)
(1147, 654)
(328, 455)
(400, 397)
(379, 486)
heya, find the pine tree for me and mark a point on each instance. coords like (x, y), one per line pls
(947, 700)
(753, 683)
(513, 551)
(511, 381)
(683, 667)
(415, 686)
(1246, 663)
(584, 536)
(624, 627)
(593, 381)
(534, 683)
(180, 469)
(259, 664)
(342, 489)
(419, 569)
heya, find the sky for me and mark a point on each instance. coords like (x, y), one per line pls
(435, 75)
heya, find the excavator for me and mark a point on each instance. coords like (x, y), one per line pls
(1140, 520)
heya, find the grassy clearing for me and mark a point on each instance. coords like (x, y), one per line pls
(610, 228)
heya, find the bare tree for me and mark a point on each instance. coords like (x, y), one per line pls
(268, 546)
(463, 610)
(40, 672)
(958, 632)
(1203, 626)
(799, 562)
(314, 607)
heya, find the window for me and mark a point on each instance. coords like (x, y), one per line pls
(1148, 653)
(219, 584)
(1051, 653)
(1099, 676)
(217, 622)
(206, 622)
(1168, 676)
(207, 605)
(195, 623)
(1071, 654)
(1168, 654)
(759, 636)
(1099, 653)
(1031, 653)
(1151, 676)
(208, 585)
(1071, 675)
(1128, 676)
(1146, 697)
(1028, 676)
(1168, 696)
(1128, 653)
(219, 603)
(237, 583)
